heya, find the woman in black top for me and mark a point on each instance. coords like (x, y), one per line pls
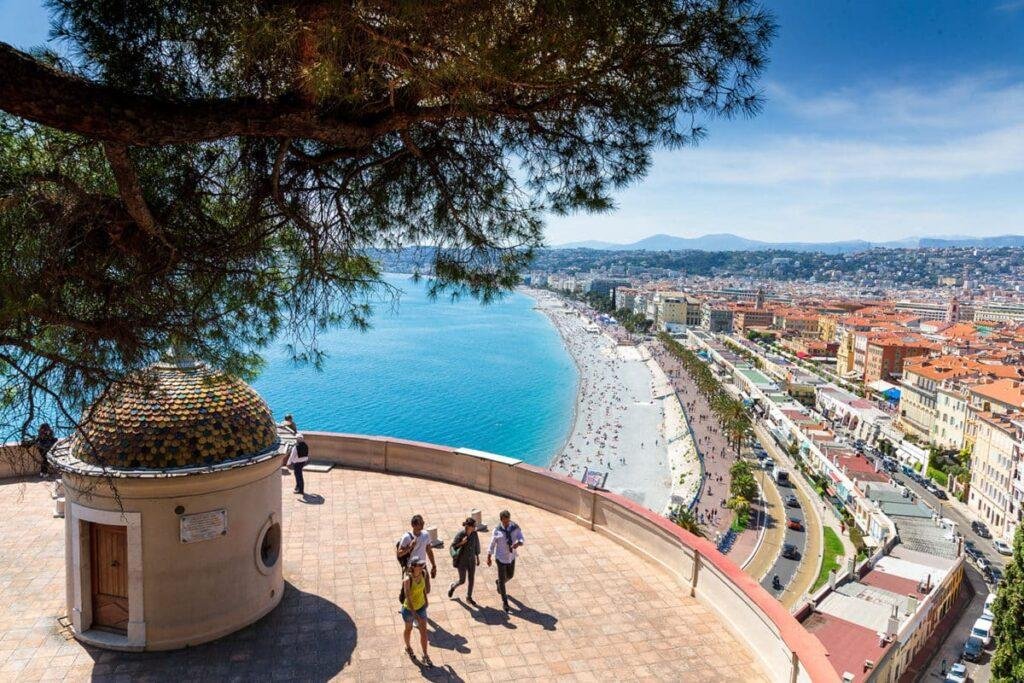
(467, 542)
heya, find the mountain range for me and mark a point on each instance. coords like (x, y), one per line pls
(729, 242)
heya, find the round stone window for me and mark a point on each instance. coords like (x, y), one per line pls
(268, 547)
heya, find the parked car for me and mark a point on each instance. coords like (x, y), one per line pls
(792, 502)
(982, 629)
(980, 529)
(988, 612)
(972, 649)
(972, 552)
(940, 494)
(995, 576)
(957, 673)
(795, 524)
(1002, 547)
(790, 551)
(983, 564)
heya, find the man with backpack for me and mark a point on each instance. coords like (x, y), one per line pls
(505, 541)
(415, 545)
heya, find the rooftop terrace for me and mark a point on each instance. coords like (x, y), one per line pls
(589, 604)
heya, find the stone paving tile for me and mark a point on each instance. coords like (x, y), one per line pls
(585, 608)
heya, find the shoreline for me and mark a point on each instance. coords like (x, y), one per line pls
(619, 423)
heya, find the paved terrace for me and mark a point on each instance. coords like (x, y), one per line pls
(585, 607)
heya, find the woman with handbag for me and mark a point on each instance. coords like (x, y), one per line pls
(466, 557)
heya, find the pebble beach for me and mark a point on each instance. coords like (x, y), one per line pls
(626, 422)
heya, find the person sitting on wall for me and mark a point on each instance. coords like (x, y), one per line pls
(43, 442)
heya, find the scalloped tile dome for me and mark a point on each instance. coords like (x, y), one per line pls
(176, 415)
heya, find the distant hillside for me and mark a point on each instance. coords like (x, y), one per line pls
(729, 242)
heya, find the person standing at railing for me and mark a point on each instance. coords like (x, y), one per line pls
(297, 460)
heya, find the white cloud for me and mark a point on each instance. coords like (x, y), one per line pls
(974, 102)
(806, 159)
(1010, 6)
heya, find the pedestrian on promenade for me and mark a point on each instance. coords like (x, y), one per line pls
(505, 541)
(414, 546)
(466, 558)
(415, 588)
(297, 459)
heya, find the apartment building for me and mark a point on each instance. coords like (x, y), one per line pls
(885, 355)
(922, 378)
(994, 462)
(951, 402)
(625, 297)
(716, 316)
(675, 308)
(745, 317)
(999, 311)
(828, 328)
(795, 320)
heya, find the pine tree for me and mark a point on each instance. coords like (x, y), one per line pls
(1008, 659)
(221, 175)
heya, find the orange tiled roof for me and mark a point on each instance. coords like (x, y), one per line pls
(1005, 391)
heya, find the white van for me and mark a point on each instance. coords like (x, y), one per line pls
(982, 629)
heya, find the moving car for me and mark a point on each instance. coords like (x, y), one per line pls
(980, 529)
(957, 673)
(982, 629)
(1002, 547)
(795, 524)
(789, 551)
(972, 649)
(792, 502)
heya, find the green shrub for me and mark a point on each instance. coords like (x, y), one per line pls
(829, 558)
(740, 520)
(939, 476)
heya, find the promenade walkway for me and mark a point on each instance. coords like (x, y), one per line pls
(711, 442)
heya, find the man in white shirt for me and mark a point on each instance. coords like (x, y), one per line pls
(415, 545)
(505, 541)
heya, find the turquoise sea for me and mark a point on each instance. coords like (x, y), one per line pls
(495, 377)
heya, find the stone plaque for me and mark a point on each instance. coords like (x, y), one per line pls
(203, 526)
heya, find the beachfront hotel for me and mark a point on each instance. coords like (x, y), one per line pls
(176, 556)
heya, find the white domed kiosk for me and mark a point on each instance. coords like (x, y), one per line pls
(173, 514)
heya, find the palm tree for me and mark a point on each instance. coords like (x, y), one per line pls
(685, 519)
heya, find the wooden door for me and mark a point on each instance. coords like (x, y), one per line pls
(109, 567)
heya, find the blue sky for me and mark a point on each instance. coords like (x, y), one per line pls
(882, 120)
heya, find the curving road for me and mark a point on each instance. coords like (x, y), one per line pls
(797, 577)
(784, 567)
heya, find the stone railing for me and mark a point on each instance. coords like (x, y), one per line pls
(17, 461)
(786, 651)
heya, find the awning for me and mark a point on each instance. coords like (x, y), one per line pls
(881, 386)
